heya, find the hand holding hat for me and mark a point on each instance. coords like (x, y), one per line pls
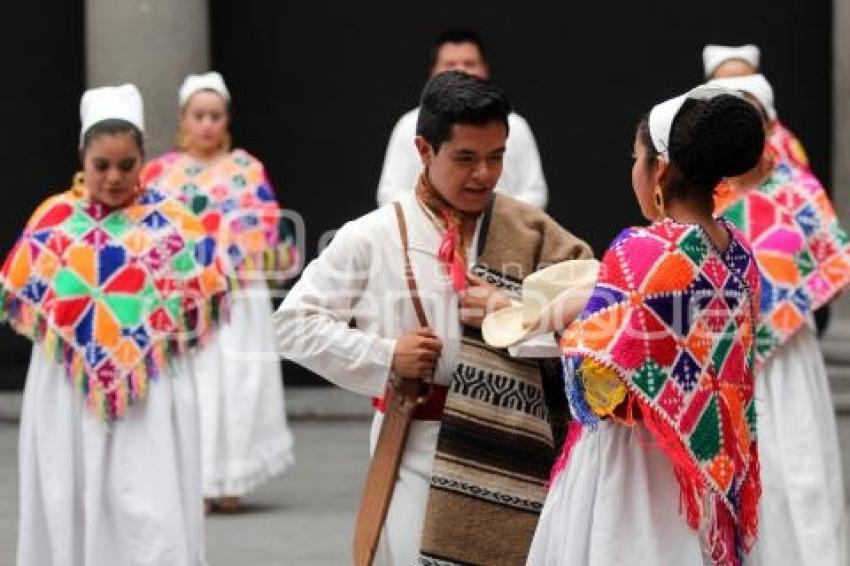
(551, 299)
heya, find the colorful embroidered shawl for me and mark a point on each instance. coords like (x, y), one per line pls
(236, 204)
(802, 252)
(669, 329)
(787, 147)
(113, 294)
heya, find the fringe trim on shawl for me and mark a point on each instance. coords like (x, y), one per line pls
(277, 263)
(109, 400)
(727, 537)
(573, 436)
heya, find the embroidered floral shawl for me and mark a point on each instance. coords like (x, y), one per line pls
(113, 294)
(236, 204)
(668, 336)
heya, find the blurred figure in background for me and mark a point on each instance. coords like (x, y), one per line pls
(102, 284)
(244, 436)
(723, 62)
(804, 261)
(522, 178)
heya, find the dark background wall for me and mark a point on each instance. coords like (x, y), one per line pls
(42, 51)
(318, 86)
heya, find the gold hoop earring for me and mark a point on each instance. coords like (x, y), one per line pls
(180, 140)
(658, 197)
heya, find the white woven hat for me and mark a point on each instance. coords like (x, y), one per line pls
(551, 297)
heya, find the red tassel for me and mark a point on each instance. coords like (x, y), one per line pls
(748, 518)
(573, 436)
(721, 537)
(691, 484)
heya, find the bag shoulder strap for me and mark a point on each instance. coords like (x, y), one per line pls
(408, 269)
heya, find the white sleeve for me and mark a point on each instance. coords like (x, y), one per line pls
(529, 183)
(312, 324)
(401, 162)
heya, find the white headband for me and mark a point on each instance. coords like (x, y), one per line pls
(715, 55)
(754, 85)
(111, 102)
(208, 81)
(662, 115)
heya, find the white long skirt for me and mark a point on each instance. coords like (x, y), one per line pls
(616, 503)
(402, 534)
(91, 495)
(244, 436)
(801, 512)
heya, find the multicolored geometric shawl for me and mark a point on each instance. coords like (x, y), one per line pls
(802, 252)
(787, 147)
(113, 294)
(236, 204)
(669, 330)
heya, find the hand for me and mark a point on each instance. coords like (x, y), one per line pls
(479, 300)
(416, 354)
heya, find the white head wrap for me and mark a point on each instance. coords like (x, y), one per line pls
(208, 81)
(111, 102)
(662, 115)
(715, 55)
(756, 86)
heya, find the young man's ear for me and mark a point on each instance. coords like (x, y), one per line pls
(426, 153)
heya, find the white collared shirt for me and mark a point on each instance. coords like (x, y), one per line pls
(360, 277)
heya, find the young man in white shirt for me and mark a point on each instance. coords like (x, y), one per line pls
(522, 177)
(472, 480)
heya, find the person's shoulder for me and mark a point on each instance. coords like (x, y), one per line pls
(643, 240)
(51, 204)
(518, 123)
(506, 204)
(243, 157)
(156, 167)
(515, 120)
(407, 121)
(370, 226)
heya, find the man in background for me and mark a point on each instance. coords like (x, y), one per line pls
(522, 177)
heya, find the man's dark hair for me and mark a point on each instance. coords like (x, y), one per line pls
(455, 97)
(457, 36)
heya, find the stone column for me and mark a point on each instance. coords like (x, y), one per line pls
(836, 343)
(153, 44)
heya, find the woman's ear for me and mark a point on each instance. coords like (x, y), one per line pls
(426, 153)
(662, 171)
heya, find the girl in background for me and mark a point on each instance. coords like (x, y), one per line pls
(113, 284)
(244, 435)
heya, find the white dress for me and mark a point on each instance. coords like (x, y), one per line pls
(616, 503)
(360, 276)
(98, 495)
(245, 439)
(801, 512)
(522, 176)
